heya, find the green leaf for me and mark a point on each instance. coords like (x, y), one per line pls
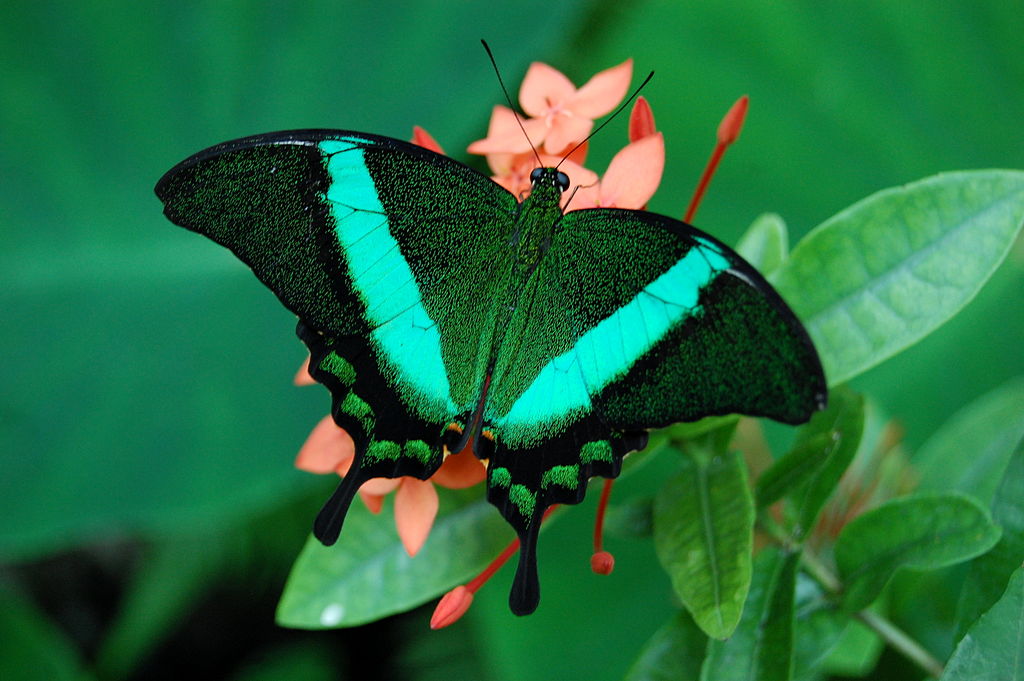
(765, 244)
(810, 471)
(970, 451)
(761, 647)
(165, 585)
(673, 653)
(33, 647)
(883, 274)
(988, 574)
(993, 649)
(703, 533)
(368, 575)
(921, 533)
(708, 426)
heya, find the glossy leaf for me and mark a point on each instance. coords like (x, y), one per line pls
(703, 525)
(761, 647)
(673, 653)
(810, 470)
(993, 649)
(765, 244)
(970, 451)
(988, 574)
(921, 532)
(368, 575)
(881, 275)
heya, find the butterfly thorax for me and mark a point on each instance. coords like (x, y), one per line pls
(535, 226)
(535, 223)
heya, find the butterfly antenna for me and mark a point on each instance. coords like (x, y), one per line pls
(509, 100)
(610, 118)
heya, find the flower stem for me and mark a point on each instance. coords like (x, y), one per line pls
(895, 637)
(901, 642)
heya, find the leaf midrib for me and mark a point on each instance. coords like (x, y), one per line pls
(703, 495)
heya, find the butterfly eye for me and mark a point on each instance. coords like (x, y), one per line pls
(562, 180)
(536, 174)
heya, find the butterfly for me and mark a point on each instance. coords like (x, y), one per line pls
(440, 311)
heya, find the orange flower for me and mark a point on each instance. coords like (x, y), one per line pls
(512, 168)
(631, 179)
(329, 449)
(560, 115)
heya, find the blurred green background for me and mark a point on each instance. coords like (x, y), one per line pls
(148, 423)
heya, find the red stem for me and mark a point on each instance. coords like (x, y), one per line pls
(602, 505)
(705, 180)
(502, 558)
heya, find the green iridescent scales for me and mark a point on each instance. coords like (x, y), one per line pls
(440, 311)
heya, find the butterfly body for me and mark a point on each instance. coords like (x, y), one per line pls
(440, 310)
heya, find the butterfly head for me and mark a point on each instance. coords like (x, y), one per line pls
(549, 177)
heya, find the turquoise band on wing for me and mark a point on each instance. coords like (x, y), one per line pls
(403, 331)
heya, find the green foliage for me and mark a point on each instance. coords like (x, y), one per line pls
(146, 389)
(762, 645)
(703, 519)
(899, 264)
(922, 533)
(368, 575)
(765, 244)
(810, 470)
(969, 453)
(992, 647)
(988, 573)
(34, 647)
(673, 653)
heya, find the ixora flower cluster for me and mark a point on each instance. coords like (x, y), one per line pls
(561, 117)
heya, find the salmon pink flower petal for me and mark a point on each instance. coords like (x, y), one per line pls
(587, 196)
(379, 487)
(603, 92)
(566, 132)
(327, 448)
(504, 136)
(544, 88)
(578, 156)
(374, 503)
(416, 505)
(634, 173)
(459, 471)
(581, 181)
(302, 376)
(422, 138)
(549, 96)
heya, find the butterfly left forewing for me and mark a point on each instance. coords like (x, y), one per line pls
(367, 240)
